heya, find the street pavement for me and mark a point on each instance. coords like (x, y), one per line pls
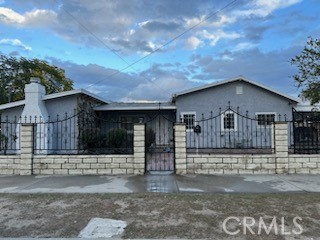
(169, 183)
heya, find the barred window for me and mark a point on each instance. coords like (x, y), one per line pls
(189, 119)
(265, 119)
(229, 121)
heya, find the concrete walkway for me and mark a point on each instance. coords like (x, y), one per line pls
(160, 183)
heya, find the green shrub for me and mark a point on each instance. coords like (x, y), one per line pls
(116, 138)
(92, 138)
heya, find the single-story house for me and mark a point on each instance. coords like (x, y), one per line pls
(46, 110)
(233, 113)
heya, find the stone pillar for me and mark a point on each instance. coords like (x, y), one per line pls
(139, 148)
(180, 148)
(281, 149)
(26, 149)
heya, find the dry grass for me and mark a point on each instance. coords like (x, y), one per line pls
(155, 215)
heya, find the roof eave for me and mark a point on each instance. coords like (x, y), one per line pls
(215, 84)
(12, 105)
(73, 92)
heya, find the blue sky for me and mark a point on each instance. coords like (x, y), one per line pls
(93, 40)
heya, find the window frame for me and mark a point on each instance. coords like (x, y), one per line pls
(265, 113)
(182, 114)
(223, 129)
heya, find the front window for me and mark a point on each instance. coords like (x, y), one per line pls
(189, 119)
(229, 121)
(265, 119)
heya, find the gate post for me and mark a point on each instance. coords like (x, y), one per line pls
(26, 149)
(281, 147)
(180, 148)
(139, 148)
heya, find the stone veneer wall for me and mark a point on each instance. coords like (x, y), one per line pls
(279, 162)
(230, 164)
(83, 164)
(304, 164)
(252, 164)
(10, 165)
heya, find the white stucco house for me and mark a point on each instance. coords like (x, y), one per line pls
(190, 106)
(40, 108)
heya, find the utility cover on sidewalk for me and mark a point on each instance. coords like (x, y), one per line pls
(103, 228)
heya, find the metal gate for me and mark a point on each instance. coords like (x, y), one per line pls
(160, 144)
(306, 132)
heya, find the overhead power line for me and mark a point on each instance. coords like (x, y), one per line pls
(130, 65)
(109, 48)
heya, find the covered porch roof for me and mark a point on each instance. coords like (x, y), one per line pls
(136, 106)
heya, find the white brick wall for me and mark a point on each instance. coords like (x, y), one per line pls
(230, 164)
(83, 164)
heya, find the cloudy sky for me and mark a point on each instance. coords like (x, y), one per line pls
(127, 50)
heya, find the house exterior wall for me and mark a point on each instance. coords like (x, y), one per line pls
(253, 99)
(12, 114)
(61, 106)
(211, 105)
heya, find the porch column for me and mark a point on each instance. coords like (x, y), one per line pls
(139, 148)
(26, 149)
(180, 148)
(281, 148)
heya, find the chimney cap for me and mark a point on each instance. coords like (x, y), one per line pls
(35, 80)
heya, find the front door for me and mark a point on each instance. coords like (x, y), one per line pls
(160, 144)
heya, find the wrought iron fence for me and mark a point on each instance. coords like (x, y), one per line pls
(82, 133)
(9, 135)
(229, 131)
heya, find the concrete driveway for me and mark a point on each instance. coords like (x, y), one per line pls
(160, 183)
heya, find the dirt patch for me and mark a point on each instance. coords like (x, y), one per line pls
(155, 215)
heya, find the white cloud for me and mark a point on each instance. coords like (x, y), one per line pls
(217, 35)
(16, 43)
(193, 43)
(244, 46)
(272, 68)
(263, 8)
(160, 88)
(219, 21)
(39, 18)
(141, 24)
(138, 26)
(34, 18)
(8, 16)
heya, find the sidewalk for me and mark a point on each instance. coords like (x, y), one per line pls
(160, 183)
